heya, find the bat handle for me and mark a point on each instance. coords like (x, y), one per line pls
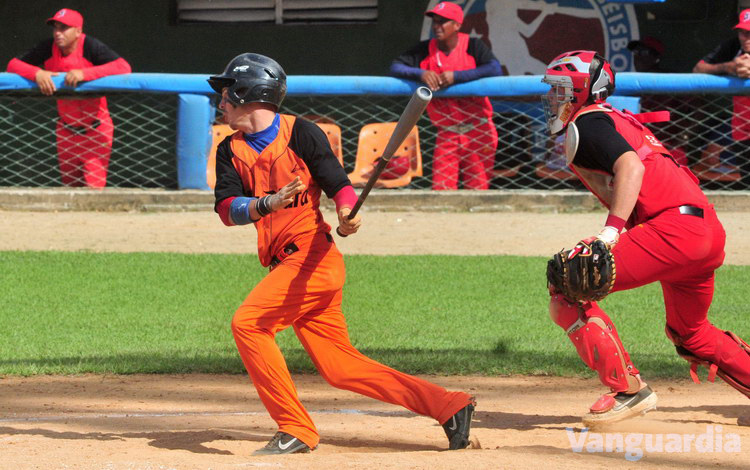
(351, 215)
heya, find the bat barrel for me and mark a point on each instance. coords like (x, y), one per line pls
(406, 122)
(408, 119)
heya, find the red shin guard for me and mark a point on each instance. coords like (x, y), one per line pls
(595, 338)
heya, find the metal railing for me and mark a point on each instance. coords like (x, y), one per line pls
(163, 140)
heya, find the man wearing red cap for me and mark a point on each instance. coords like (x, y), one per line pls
(467, 137)
(84, 130)
(732, 57)
(647, 53)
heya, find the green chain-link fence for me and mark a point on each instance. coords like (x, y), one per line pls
(143, 153)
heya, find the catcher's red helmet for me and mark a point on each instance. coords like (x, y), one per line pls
(577, 78)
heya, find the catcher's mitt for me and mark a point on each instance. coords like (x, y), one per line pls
(585, 273)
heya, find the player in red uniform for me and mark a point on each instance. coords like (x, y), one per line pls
(271, 173)
(673, 237)
(84, 130)
(467, 137)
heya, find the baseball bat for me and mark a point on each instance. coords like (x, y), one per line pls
(405, 124)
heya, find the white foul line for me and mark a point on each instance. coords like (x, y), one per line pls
(30, 419)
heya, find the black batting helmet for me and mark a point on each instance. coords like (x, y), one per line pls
(252, 78)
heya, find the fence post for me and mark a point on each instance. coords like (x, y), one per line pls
(194, 119)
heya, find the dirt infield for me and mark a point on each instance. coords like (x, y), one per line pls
(383, 233)
(215, 422)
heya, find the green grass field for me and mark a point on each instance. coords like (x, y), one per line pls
(67, 313)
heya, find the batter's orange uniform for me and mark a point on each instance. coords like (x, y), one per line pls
(304, 286)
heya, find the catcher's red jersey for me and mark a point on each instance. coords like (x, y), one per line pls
(665, 185)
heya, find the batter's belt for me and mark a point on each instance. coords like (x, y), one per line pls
(288, 250)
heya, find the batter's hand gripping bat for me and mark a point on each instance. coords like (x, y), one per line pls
(406, 123)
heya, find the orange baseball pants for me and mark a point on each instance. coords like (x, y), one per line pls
(304, 291)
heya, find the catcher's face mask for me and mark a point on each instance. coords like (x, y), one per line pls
(558, 103)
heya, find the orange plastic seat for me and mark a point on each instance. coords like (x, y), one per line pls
(372, 141)
(711, 167)
(218, 133)
(333, 132)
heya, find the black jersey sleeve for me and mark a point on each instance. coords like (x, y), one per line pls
(724, 52)
(414, 56)
(599, 143)
(97, 52)
(228, 181)
(309, 142)
(480, 51)
(38, 54)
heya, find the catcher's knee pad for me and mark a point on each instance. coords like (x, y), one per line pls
(562, 311)
(596, 341)
(723, 353)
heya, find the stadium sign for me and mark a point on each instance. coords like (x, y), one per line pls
(526, 35)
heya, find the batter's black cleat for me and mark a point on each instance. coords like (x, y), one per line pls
(457, 428)
(283, 443)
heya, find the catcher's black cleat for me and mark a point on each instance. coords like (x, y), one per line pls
(283, 443)
(614, 407)
(457, 428)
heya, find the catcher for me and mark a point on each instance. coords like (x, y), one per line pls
(673, 237)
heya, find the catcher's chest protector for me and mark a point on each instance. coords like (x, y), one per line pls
(665, 183)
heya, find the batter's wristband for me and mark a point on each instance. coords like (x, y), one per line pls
(263, 207)
(616, 222)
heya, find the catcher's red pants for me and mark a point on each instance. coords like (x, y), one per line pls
(682, 252)
(304, 291)
(472, 154)
(83, 154)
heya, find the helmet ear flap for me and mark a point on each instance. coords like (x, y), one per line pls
(600, 95)
(602, 78)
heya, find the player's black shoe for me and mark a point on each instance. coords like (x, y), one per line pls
(457, 428)
(283, 443)
(614, 407)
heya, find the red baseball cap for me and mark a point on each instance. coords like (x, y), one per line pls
(68, 17)
(744, 20)
(648, 41)
(448, 10)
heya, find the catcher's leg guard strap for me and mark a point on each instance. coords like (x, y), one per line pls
(596, 341)
(722, 352)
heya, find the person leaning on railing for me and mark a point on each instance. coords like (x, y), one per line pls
(466, 137)
(732, 57)
(85, 129)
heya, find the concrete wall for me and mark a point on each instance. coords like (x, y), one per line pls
(144, 32)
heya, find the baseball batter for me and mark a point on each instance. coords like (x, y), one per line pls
(271, 173)
(84, 130)
(673, 237)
